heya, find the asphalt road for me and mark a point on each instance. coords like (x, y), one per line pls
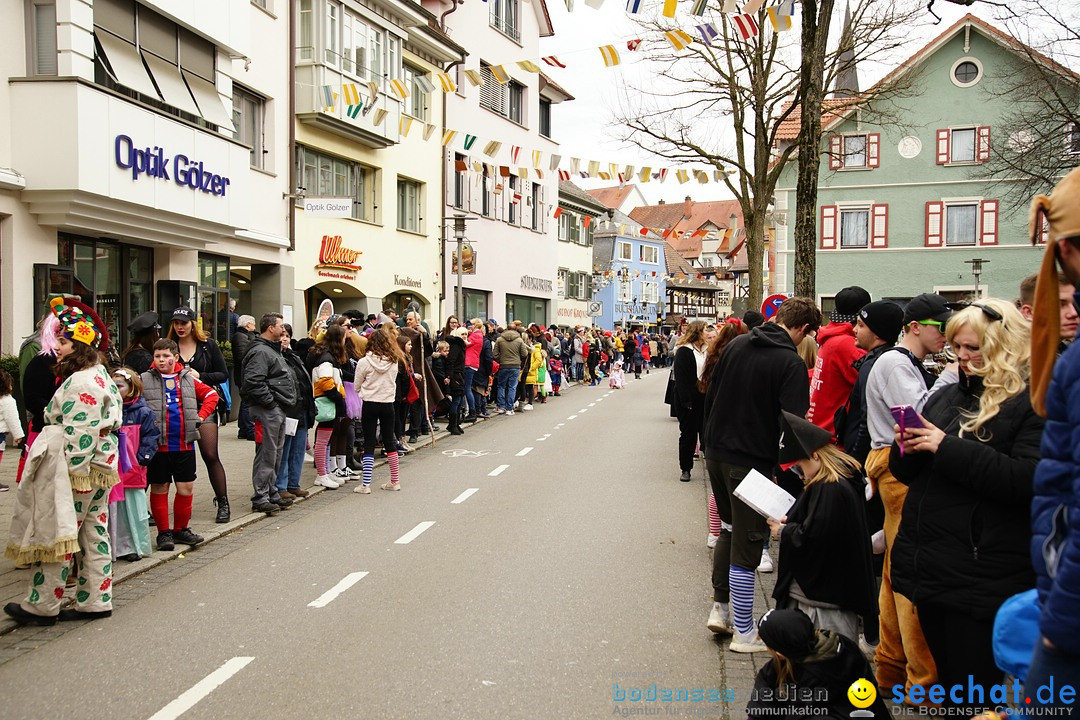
(579, 566)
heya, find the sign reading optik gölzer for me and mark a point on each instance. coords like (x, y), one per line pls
(152, 162)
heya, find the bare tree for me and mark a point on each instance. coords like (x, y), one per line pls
(722, 104)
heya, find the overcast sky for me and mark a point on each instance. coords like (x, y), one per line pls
(586, 127)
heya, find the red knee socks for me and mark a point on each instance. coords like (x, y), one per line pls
(159, 508)
(182, 511)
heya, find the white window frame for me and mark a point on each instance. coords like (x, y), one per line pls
(416, 103)
(624, 250)
(645, 250)
(967, 59)
(650, 292)
(305, 30)
(515, 102)
(974, 129)
(563, 282)
(505, 16)
(410, 198)
(249, 117)
(847, 164)
(975, 203)
(840, 210)
(626, 290)
(359, 179)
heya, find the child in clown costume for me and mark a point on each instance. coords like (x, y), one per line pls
(62, 502)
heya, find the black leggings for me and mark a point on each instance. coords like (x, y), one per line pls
(379, 416)
(339, 441)
(208, 448)
(690, 421)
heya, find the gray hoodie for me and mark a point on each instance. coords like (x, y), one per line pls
(894, 380)
(376, 379)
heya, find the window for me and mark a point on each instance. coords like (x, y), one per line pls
(854, 228)
(351, 44)
(855, 151)
(961, 224)
(408, 205)
(966, 72)
(306, 36)
(649, 254)
(326, 176)
(536, 210)
(624, 251)
(459, 182)
(485, 193)
(492, 95)
(577, 286)
(503, 16)
(512, 207)
(248, 114)
(1074, 139)
(650, 292)
(626, 290)
(570, 228)
(962, 145)
(416, 103)
(354, 43)
(42, 37)
(515, 104)
(332, 30)
(564, 279)
(545, 117)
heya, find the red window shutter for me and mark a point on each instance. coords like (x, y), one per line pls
(942, 147)
(836, 152)
(879, 226)
(934, 230)
(828, 227)
(873, 149)
(982, 151)
(989, 233)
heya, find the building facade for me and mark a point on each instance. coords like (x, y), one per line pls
(579, 216)
(632, 271)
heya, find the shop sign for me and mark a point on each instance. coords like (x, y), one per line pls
(333, 256)
(328, 207)
(531, 283)
(573, 313)
(631, 308)
(153, 163)
(407, 282)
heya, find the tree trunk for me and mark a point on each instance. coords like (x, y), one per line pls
(755, 250)
(816, 18)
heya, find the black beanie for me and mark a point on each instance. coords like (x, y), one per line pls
(753, 319)
(788, 632)
(884, 318)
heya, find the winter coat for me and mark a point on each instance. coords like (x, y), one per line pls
(487, 356)
(473, 348)
(849, 421)
(455, 365)
(89, 408)
(139, 359)
(209, 362)
(834, 374)
(305, 405)
(139, 438)
(758, 375)
(964, 535)
(1055, 511)
(536, 361)
(422, 351)
(267, 380)
(9, 419)
(376, 379)
(326, 381)
(38, 385)
(686, 395)
(241, 343)
(510, 350)
(197, 402)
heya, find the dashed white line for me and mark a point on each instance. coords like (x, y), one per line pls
(571, 417)
(414, 533)
(523, 452)
(497, 471)
(591, 404)
(463, 496)
(347, 582)
(201, 689)
(583, 410)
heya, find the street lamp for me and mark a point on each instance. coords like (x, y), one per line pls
(459, 237)
(976, 270)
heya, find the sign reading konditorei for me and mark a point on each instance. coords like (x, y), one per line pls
(329, 207)
(153, 163)
(333, 256)
(407, 282)
(530, 283)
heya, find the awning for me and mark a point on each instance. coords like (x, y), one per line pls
(126, 64)
(206, 95)
(172, 85)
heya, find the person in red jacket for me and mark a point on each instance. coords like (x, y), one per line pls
(834, 376)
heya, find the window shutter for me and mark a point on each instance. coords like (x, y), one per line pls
(828, 227)
(879, 226)
(942, 147)
(989, 234)
(452, 178)
(836, 152)
(873, 150)
(982, 152)
(934, 212)
(475, 197)
(544, 214)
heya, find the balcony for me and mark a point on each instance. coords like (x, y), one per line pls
(311, 107)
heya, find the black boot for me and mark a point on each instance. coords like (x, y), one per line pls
(223, 514)
(454, 425)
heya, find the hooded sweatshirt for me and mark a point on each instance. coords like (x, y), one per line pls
(834, 375)
(376, 378)
(510, 350)
(759, 374)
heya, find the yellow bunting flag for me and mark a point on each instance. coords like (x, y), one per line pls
(669, 8)
(399, 89)
(352, 94)
(603, 175)
(718, 175)
(613, 169)
(378, 117)
(492, 148)
(447, 82)
(448, 137)
(373, 92)
(678, 39)
(537, 155)
(405, 125)
(610, 55)
(645, 175)
(779, 22)
(474, 77)
(499, 73)
(594, 168)
(682, 175)
(523, 172)
(575, 165)
(702, 177)
(528, 66)
(477, 166)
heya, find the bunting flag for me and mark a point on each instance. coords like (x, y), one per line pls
(595, 4)
(555, 160)
(575, 165)
(699, 7)
(328, 96)
(633, 6)
(425, 85)
(399, 89)
(780, 23)
(669, 8)
(746, 26)
(702, 177)
(645, 173)
(515, 199)
(353, 110)
(787, 7)
(682, 175)
(461, 165)
(498, 189)
(491, 169)
(504, 171)
(730, 6)
(558, 210)
(678, 39)
(477, 167)
(331, 108)
(447, 82)
(708, 33)
(537, 155)
(515, 152)
(351, 94)
(553, 61)
(474, 77)
(603, 175)
(368, 107)
(752, 7)
(492, 148)
(523, 172)
(586, 220)
(448, 137)
(405, 125)
(594, 168)
(469, 140)
(610, 55)
(528, 66)
(633, 45)
(662, 174)
(499, 73)
(628, 172)
(569, 5)
(564, 174)
(539, 174)
(378, 117)
(429, 128)
(373, 92)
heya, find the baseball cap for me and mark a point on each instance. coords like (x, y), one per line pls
(848, 302)
(493, 321)
(183, 313)
(928, 306)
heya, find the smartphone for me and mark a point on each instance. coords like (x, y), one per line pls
(906, 417)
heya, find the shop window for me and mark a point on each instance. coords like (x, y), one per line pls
(213, 310)
(249, 112)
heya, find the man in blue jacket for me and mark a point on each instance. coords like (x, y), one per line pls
(1055, 510)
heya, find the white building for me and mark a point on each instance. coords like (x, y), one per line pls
(576, 265)
(144, 153)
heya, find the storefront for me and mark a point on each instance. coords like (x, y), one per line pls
(526, 309)
(476, 304)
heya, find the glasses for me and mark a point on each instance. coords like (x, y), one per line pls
(936, 323)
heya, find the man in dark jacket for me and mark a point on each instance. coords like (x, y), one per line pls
(241, 341)
(270, 390)
(759, 374)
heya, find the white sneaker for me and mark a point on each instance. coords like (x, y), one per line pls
(509, 412)
(748, 643)
(711, 542)
(766, 565)
(500, 411)
(517, 405)
(527, 407)
(309, 458)
(327, 481)
(720, 619)
(362, 489)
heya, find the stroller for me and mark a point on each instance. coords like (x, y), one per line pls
(615, 380)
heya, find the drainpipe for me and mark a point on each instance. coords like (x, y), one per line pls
(292, 128)
(443, 238)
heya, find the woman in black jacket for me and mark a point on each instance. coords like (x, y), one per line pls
(455, 374)
(689, 398)
(963, 545)
(200, 354)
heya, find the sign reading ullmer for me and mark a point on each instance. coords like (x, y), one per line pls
(531, 283)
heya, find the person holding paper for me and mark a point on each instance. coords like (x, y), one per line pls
(298, 418)
(826, 563)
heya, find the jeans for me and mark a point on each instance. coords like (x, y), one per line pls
(292, 459)
(456, 401)
(244, 423)
(1050, 665)
(507, 382)
(469, 398)
(579, 371)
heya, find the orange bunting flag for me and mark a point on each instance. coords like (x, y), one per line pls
(679, 39)
(504, 171)
(669, 8)
(498, 189)
(460, 166)
(603, 175)
(586, 220)
(610, 55)
(780, 22)
(557, 213)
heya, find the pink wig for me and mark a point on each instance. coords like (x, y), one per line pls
(50, 332)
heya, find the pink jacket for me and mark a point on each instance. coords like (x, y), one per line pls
(473, 346)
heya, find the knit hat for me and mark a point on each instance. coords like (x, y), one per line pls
(753, 319)
(884, 318)
(848, 302)
(1061, 212)
(788, 632)
(79, 322)
(799, 439)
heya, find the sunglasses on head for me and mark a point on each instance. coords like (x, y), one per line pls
(988, 311)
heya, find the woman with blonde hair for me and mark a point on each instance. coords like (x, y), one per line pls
(963, 545)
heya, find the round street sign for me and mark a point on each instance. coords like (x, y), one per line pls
(772, 304)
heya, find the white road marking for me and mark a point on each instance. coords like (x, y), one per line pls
(583, 410)
(591, 404)
(414, 533)
(327, 597)
(560, 425)
(201, 689)
(463, 496)
(523, 452)
(497, 471)
(571, 417)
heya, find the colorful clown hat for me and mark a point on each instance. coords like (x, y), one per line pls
(79, 322)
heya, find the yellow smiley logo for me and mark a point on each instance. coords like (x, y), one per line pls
(862, 693)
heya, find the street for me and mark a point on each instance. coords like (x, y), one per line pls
(537, 566)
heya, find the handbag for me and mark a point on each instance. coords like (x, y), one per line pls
(325, 409)
(224, 395)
